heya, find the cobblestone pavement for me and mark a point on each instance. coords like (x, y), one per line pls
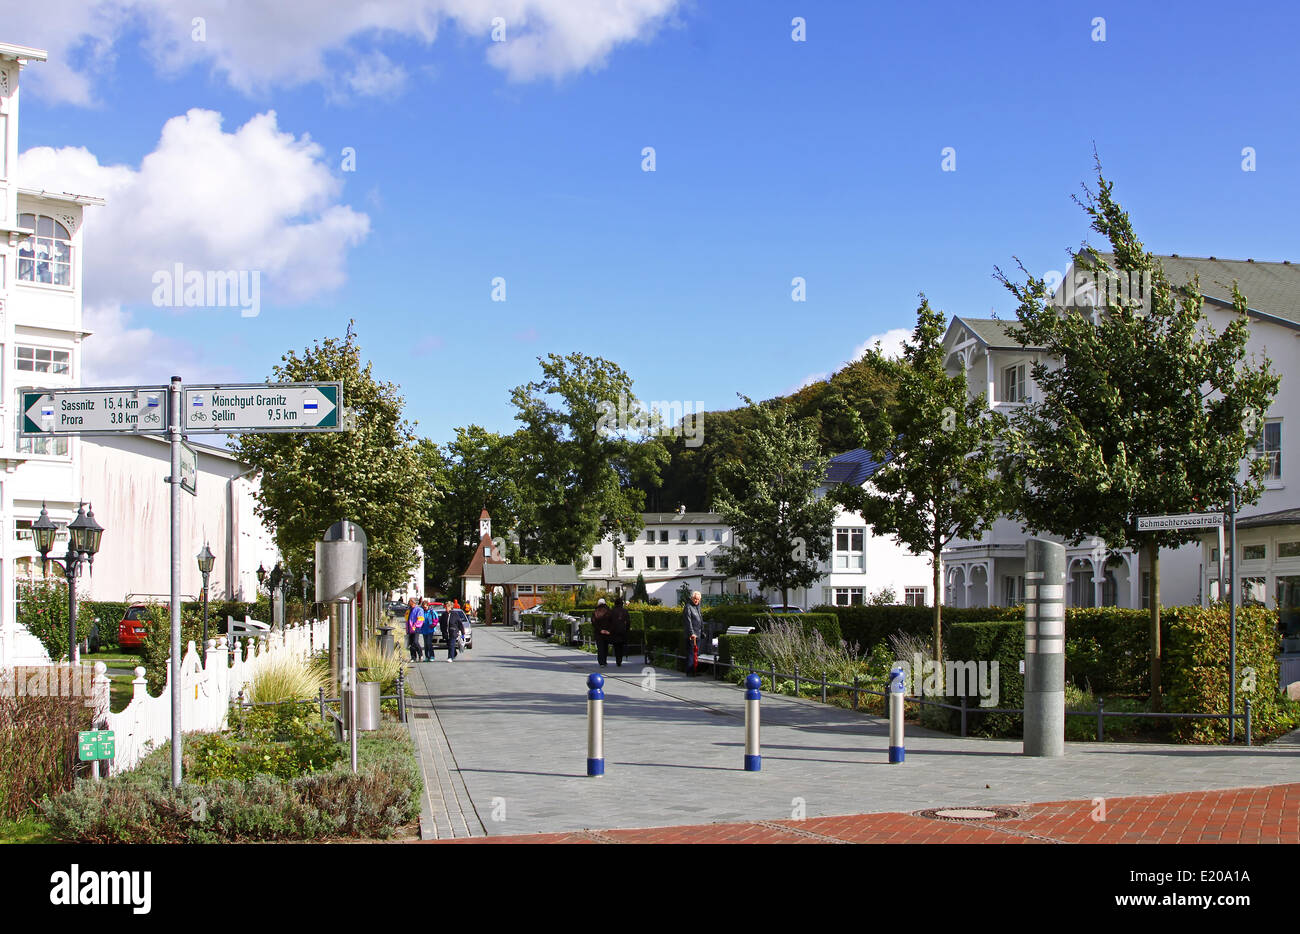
(504, 744)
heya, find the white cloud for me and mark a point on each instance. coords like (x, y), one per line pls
(256, 199)
(257, 45)
(891, 343)
(119, 354)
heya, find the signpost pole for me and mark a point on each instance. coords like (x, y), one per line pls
(174, 439)
(1232, 615)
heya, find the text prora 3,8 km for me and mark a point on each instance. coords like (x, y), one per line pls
(1190, 875)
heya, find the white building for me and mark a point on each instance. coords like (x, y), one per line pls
(673, 549)
(123, 478)
(991, 571)
(40, 345)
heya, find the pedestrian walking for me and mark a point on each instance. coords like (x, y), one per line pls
(600, 630)
(620, 624)
(453, 628)
(414, 620)
(693, 624)
(429, 629)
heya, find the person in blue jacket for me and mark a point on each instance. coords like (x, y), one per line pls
(429, 629)
(414, 621)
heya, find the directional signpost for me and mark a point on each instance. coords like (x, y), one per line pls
(176, 411)
(259, 407)
(106, 411)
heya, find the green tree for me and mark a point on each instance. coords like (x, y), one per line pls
(371, 474)
(639, 592)
(769, 497)
(575, 463)
(938, 477)
(474, 472)
(1150, 411)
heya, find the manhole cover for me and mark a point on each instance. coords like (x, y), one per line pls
(967, 814)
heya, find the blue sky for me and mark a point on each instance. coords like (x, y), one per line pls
(774, 159)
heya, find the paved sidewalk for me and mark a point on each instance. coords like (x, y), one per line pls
(446, 810)
(1244, 815)
(512, 714)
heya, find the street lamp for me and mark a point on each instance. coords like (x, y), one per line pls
(261, 573)
(84, 535)
(205, 559)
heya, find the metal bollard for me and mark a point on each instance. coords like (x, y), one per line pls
(1101, 719)
(401, 695)
(753, 755)
(595, 726)
(896, 688)
(1248, 721)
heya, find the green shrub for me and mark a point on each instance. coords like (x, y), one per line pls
(1195, 672)
(283, 742)
(997, 641)
(42, 608)
(286, 677)
(659, 617)
(1108, 649)
(157, 646)
(141, 806)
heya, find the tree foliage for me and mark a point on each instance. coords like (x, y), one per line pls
(1150, 410)
(371, 475)
(938, 479)
(573, 471)
(769, 496)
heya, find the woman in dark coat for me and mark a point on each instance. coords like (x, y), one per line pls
(600, 629)
(619, 625)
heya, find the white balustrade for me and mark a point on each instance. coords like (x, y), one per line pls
(207, 689)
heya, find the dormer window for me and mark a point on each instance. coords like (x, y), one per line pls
(1014, 388)
(46, 257)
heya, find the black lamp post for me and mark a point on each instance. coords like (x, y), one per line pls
(205, 559)
(261, 573)
(84, 534)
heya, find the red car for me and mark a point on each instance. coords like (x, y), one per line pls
(131, 630)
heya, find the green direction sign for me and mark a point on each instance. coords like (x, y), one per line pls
(263, 407)
(95, 744)
(98, 411)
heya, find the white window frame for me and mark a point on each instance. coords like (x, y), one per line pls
(1272, 454)
(909, 593)
(37, 240)
(36, 350)
(850, 555)
(1014, 385)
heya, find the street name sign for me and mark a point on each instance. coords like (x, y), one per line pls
(1194, 520)
(263, 407)
(95, 744)
(189, 469)
(110, 410)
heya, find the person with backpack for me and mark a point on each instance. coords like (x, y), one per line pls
(429, 629)
(414, 620)
(620, 624)
(453, 630)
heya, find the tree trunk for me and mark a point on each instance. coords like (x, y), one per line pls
(936, 559)
(1156, 700)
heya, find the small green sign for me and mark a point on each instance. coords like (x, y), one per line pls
(95, 744)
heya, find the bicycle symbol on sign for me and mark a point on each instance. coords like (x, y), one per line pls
(198, 416)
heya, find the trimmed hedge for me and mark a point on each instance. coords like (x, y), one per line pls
(996, 640)
(1195, 672)
(742, 650)
(867, 626)
(1108, 650)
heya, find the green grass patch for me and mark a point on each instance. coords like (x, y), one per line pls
(28, 829)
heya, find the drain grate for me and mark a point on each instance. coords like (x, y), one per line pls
(967, 814)
(422, 716)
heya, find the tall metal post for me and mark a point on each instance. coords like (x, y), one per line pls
(1232, 615)
(174, 437)
(1044, 648)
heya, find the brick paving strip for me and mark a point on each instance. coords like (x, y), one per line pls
(446, 810)
(1237, 815)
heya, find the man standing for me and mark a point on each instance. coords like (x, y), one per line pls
(693, 623)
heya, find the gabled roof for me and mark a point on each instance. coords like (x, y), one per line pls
(497, 574)
(991, 332)
(479, 560)
(1272, 290)
(680, 518)
(852, 467)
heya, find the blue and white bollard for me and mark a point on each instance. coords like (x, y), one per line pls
(897, 687)
(595, 726)
(753, 757)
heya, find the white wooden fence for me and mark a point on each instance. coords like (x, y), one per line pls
(207, 690)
